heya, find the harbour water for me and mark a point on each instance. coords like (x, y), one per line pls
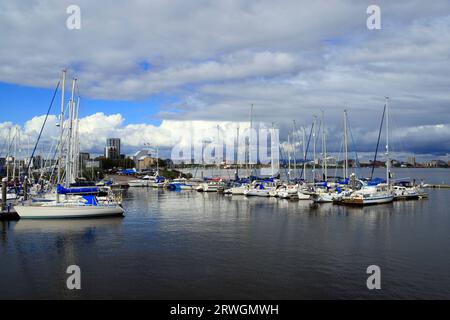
(190, 245)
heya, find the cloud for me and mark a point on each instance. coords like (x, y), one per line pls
(96, 128)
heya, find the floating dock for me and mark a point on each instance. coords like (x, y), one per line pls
(438, 186)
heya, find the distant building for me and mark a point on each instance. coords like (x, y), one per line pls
(436, 164)
(112, 149)
(145, 163)
(140, 154)
(411, 161)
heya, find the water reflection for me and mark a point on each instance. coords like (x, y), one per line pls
(85, 228)
(187, 245)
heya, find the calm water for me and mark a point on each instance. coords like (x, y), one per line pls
(189, 245)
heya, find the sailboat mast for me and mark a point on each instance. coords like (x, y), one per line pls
(15, 154)
(216, 151)
(345, 146)
(237, 152)
(324, 150)
(61, 125)
(289, 158)
(8, 156)
(250, 147)
(70, 138)
(388, 161)
(76, 154)
(314, 147)
(271, 149)
(304, 152)
(293, 148)
(157, 160)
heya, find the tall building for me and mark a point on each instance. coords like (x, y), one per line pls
(112, 149)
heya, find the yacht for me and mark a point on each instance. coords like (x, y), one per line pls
(369, 195)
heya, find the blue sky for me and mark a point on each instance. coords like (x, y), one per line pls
(33, 101)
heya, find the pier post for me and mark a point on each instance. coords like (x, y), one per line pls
(4, 185)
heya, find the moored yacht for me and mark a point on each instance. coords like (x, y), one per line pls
(369, 195)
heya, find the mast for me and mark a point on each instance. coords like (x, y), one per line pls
(324, 150)
(250, 147)
(216, 151)
(61, 125)
(388, 161)
(29, 155)
(294, 149)
(157, 161)
(15, 154)
(237, 153)
(8, 156)
(69, 169)
(345, 146)
(271, 149)
(289, 158)
(76, 155)
(314, 148)
(304, 152)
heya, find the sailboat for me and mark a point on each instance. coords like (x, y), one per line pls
(380, 193)
(68, 206)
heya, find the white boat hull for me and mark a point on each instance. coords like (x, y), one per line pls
(138, 183)
(323, 198)
(63, 212)
(368, 200)
(238, 190)
(256, 193)
(302, 196)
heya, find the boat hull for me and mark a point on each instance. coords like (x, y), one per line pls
(65, 212)
(138, 184)
(303, 196)
(367, 201)
(257, 193)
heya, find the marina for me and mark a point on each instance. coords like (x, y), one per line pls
(301, 229)
(177, 245)
(241, 154)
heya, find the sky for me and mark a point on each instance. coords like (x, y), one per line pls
(147, 70)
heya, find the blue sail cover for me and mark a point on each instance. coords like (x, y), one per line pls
(61, 190)
(345, 181)
(375, 181)
(321, 184)
(90, 200)
(128, 171)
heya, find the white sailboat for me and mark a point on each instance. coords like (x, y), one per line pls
(261, 189)
(60, 210)
(369, 195)
(66, 206)
(381, 193)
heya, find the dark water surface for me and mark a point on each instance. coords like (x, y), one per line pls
(189, 245)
